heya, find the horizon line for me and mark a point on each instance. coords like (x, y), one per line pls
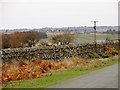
(61, 27)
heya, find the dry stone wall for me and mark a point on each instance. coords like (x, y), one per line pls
(51, 52)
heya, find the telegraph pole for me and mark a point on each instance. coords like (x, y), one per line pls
(95, 32)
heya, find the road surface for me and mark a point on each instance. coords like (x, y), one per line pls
(103, 78)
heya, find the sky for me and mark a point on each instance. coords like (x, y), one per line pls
(59, 13)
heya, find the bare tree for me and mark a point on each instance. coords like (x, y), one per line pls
(63, 39)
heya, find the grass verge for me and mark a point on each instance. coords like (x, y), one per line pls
(56, 77)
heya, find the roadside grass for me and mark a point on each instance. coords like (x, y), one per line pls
(57, 76)
(45, 81)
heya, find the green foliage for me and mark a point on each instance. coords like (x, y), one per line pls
(105, 54)
(94, 55)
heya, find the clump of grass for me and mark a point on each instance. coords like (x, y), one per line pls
(86, 64)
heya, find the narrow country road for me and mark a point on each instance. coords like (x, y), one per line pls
(103, 78)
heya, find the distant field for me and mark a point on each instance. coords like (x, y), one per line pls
(86, 38)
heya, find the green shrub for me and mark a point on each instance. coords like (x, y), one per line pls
(94, 55)
(106, 54)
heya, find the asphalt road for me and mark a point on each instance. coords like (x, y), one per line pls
(103, 78)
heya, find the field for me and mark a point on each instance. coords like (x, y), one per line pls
(87, 38)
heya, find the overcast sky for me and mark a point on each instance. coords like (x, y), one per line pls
(57, 14)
